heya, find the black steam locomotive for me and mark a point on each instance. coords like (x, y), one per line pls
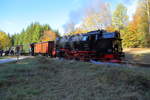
(95, 45)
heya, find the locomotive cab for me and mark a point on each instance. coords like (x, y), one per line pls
(104, 43)
(88, 42)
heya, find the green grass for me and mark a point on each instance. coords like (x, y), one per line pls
(3, 57)
(50, 79)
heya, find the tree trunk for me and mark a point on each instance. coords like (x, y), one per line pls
(148, 16)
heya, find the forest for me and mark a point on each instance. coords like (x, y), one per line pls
(135, 32)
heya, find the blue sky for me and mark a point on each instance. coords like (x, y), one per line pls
(18, 14)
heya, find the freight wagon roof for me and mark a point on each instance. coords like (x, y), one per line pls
(43, 42)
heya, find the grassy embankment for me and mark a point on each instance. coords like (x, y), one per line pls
(3, 57)
(49, 79)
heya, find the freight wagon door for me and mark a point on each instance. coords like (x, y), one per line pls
(44, 48)
(50, 47)
(37, 48)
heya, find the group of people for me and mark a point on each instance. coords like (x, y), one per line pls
(1, 52)
(7, 52)
(11, 51)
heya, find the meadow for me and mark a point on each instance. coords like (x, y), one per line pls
(43, 78)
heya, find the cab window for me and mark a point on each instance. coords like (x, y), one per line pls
(85, 38)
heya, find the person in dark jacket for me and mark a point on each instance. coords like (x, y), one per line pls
(0, 52)
(12, 52)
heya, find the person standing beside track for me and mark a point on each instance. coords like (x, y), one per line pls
(18, 52)
(0, 52)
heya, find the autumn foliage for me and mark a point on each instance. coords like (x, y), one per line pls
(5, 40)
(48, 36)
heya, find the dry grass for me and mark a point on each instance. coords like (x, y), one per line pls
(50, 79)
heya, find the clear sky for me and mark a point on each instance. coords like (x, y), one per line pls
(18, 14)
